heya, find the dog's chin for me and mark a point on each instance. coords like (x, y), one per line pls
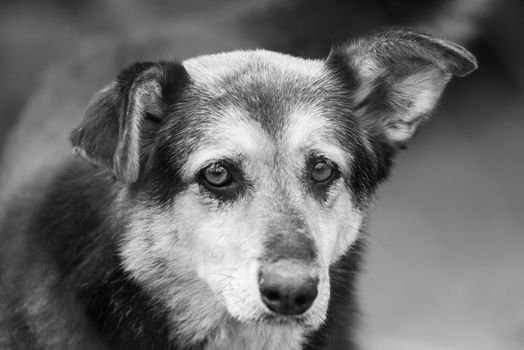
(304, 322)
(299, 321)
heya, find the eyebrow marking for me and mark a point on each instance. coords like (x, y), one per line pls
(332, 153)
(207, 155)
(308, 131)
(232, 136)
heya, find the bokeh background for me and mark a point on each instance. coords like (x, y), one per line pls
(445, 261)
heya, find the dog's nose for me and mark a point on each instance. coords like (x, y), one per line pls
(288, 288)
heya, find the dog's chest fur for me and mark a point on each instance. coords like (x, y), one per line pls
(235, 336)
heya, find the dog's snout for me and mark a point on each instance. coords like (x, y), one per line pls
(288, 288)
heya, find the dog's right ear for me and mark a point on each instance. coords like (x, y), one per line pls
(112, 134)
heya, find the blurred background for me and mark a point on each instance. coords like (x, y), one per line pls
(445, 262)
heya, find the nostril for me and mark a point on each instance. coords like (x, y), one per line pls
(307, 295)
(301, 300)
(272, 296)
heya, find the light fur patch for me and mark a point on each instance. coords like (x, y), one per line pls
(203, 268)
(256, 336)
(413, 96)
(146, 95)
(239, 138)
(418, 95)
(335, 224)
(159, 256)
(308, 130)
(208, 70)
(368, 71)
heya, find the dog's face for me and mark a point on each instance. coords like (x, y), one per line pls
(246, 175)
(264, 177)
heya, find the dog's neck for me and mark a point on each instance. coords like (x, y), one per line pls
(255, 336)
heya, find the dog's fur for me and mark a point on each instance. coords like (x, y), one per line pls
(127, 246)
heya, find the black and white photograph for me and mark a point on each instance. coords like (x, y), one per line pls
(262, 175)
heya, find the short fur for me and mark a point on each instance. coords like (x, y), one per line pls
(128, 247)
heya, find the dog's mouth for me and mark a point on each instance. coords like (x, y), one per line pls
(276, 319)
(305, 321)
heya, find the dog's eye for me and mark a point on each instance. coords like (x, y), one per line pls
(321, 174)
(216, 175)
(222, 180)
(322, 171)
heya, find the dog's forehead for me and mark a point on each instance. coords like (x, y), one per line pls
(266, 85)
(256, 64)
(252, 104)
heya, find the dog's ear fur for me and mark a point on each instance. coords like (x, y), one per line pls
(396, 77)
(123, 115)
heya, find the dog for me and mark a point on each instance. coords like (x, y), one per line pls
(217, 202)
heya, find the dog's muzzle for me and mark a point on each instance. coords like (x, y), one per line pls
(287, 287)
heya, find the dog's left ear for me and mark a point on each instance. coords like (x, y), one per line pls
(122, 120)
(396, 78)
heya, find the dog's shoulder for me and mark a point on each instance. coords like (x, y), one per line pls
(39, 229)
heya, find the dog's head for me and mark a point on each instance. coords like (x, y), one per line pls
(246, 175)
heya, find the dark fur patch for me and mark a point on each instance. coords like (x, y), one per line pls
(75, 227)
(369, 155)
(104, 137)
(289, 238)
